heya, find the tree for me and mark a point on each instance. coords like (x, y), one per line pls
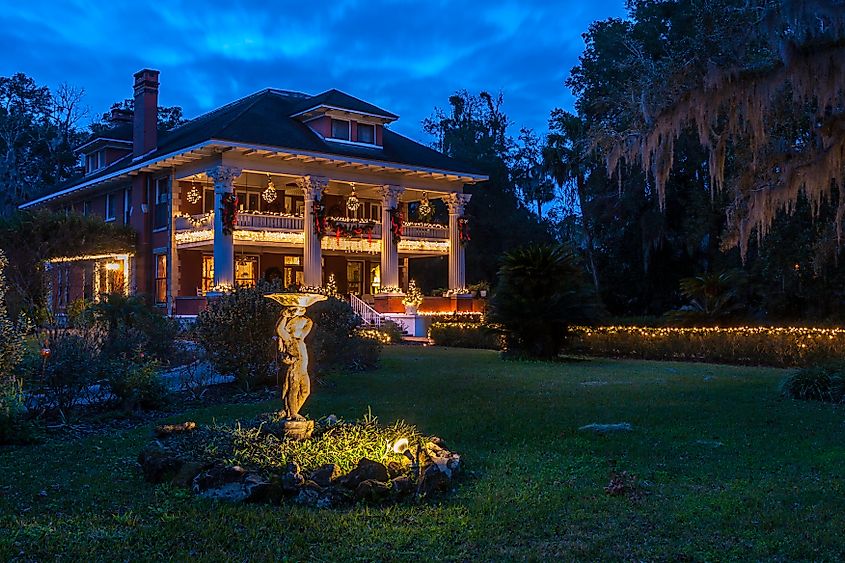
(475, 131)
(541, 292)
(168, 116)
(528, 172)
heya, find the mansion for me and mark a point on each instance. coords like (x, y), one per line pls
(278, 185)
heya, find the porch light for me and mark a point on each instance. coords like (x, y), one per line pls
(352, 202)
(269, 195)
(193, 196)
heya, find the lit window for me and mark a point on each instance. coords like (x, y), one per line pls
(161, 278)
(340, 129)
(246, 271)
(110, 210)
(366, 133)
(207, 273)
(112, 278)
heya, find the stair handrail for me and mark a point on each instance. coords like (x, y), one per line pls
(361, 308)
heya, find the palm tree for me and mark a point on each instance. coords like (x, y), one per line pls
(541, 292)
(566, 157)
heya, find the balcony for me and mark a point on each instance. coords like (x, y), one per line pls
(256, 227)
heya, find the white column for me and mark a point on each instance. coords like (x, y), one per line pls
(312, 256)
(389, 252)
(224, 244)
(457, 264)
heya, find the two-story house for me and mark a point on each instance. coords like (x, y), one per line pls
(276, 185)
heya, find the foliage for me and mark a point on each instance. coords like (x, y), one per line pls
(334, 343)
(712, 299)
(237, 332)
(769, 346)
(709, 442)
(474, 130)
(31, 237)
(822, 382)
(132, 327)
(11, 353)
(465, 335)
(542, 290)
(168, 116)
(256, 444)
(391, 331)
(137, 385)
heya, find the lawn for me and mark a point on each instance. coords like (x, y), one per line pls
(728, 470)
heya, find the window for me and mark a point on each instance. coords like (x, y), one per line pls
(63, 286)
(375, 211)
(95, 161)
(112, 278)
(207, 273)
(110, 208)
(161, 193)
(367, 133)
(355, 277)
(127, 205)
(340, 129)
(86, 208)
(161, 278)
(375, 278)
(208, 201)
(246, 271)
(293, 275)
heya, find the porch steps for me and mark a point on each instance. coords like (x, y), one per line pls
(370, 316)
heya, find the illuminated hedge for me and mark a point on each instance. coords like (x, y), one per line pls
(770, 346)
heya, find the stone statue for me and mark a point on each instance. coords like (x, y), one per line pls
(292, 328)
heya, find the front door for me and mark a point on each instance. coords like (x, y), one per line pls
(355, 276)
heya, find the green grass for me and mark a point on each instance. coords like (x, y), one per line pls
(772, 490)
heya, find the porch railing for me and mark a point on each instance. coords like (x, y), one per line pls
(264, 221)
(369, 315)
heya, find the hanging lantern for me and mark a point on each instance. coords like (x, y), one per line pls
(193, 196)
(425, 212)
(269, 195)
(352, 202)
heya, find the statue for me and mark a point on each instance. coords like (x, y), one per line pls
(292, 328)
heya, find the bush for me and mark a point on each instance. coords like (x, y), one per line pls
(770, 346)
(137, 385)
(824, 382)
(334, 343)
(132, 328)
(392, 330)
(465, 335)
(237, 332)
(11, 353)
(542, 291)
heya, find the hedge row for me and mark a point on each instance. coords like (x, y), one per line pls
(769, 346)
(464, 335)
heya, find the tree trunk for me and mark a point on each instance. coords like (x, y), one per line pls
(587, 230)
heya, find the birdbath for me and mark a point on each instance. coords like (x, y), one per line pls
(292, 328)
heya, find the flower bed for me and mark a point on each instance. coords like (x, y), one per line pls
(770, 346)
(339, 464)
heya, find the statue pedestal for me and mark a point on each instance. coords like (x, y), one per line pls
(298, 429)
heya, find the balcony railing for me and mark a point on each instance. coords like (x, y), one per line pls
(292, 223)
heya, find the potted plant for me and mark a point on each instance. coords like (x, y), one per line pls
(413, 299)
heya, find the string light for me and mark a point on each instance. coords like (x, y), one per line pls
(269, 195)
(352, 202)
(193, 196)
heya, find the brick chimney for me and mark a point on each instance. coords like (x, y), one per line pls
(144, 128)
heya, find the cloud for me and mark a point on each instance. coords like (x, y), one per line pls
(407, 57)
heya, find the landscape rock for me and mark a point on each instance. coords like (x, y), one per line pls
(291, 482)
(325, 474)
(218, 476)
(260, 489)
(227, 492)
(307, 497)
(367, 469)
(187, 472)
(605, 428)
(158, 464)
(401, 485)
(448, 462)
(372, 491)
(395, 469)
(433, 480)
(167, 430)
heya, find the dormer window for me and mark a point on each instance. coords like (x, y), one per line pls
(366, 133)
(340, 129)
(95, 161)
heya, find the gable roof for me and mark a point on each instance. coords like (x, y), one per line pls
(267, 119)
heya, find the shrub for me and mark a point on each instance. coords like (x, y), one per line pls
(542, 290)
(132, 327)
(771, 346)
(465, 335)
(137, 385)
(334, 343)
(824, 382)
(392, 330)
(61, 374)
(237, 332)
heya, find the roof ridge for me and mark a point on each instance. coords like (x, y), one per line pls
(218, 110)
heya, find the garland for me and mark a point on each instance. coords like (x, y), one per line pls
(319, 211)
(396, 224)
(229, 213)
(463, 231)
(351, 229)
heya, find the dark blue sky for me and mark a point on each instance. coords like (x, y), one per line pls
(406, 57)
